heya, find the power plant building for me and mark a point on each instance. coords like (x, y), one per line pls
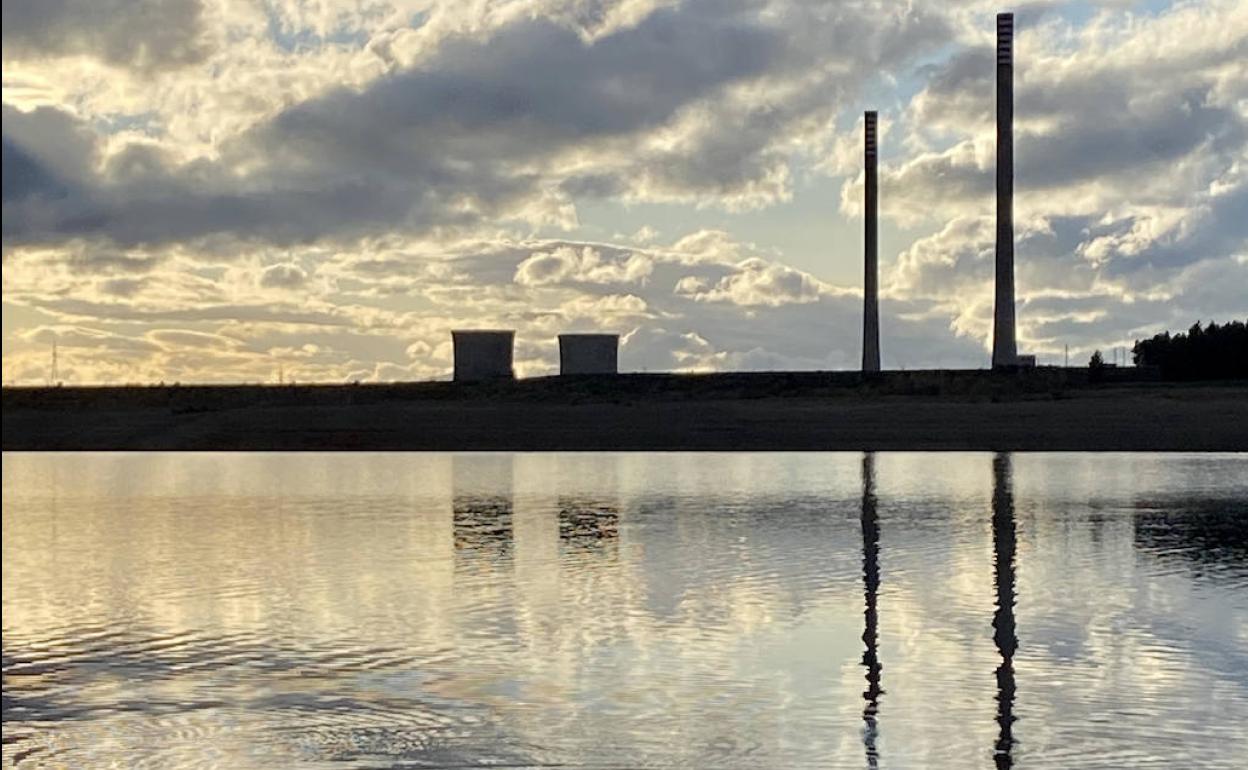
(1004, 344)
(483, 354)
(589, 353)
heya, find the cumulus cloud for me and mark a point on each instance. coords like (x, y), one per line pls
(283, 276)
(754, 282)
(337, 187)
(1129, 142)
(568, 265)
(141, 34)
(766, 315)
(1145, 111)
(485, 128)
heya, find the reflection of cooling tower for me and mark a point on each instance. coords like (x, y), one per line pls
(483, 524)
(588, 525)
(482, 354)
(588, 353)
(870, 280)
(1004, 346)
(482, 503)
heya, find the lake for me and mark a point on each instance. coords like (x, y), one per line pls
(647, 610)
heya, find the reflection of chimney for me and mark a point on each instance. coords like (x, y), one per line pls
(1004, 547)
(871, 589)
(1004, 347)
(870, 280)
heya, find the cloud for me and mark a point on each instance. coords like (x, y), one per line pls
(47, 154)
(69, 336)
(362, 180)
(283, 276)
(749, 316)
(1129, 142)
(568, 265)
(438, 145)
(185, 338)
(122, 287)
(486, 128)
(755, 282)
(1149, 111)
(145, 35)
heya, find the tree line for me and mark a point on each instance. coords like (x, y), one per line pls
(1209, 353)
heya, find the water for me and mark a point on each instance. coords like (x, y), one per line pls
(620, 611)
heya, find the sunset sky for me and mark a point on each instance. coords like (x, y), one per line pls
(211, 190)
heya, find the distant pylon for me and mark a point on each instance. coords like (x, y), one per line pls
(54, 376)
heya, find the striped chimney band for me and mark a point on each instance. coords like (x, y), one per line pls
(1005, 38)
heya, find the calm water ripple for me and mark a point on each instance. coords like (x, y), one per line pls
(625, 611)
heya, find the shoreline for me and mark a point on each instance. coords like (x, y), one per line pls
(806, 411)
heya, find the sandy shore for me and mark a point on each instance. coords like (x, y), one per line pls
(777, 412)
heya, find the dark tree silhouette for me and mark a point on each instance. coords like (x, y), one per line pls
(1210, 353)
(1096, 367)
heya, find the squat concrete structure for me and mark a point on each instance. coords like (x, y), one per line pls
(482, 354)
(871, 269)
(1004, 345)
(589, 353)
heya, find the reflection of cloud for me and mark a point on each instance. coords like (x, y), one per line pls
(726, 629)
(1209, 533)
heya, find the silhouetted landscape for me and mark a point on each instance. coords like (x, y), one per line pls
(1212, 352)
(1187, 392)
(1038, 409)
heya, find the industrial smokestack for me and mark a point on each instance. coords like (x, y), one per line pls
(1004, 345)
(870, 279)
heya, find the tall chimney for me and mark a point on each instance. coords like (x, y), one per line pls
(870, 280)
(1004, 346)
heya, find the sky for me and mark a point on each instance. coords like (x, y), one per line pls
(233, 190)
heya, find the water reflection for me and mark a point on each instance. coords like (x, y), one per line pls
(588, 525)
(871, 587)
(1208, 533)
(384, 611)
(482, 505)
(1004, 545)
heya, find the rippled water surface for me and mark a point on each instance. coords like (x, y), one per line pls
(625, 610)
